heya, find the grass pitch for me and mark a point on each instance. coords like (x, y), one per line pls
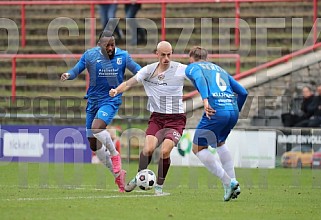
(86, 191)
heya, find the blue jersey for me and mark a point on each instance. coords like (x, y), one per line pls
(104, 74)
(215, 84)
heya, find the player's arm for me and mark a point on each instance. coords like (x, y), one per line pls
(240, 91)
(197, 78)
(182, 68)
(76, 70)
(123, 87)
(139, 77)
(132, 65)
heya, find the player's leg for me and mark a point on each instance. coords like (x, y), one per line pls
(102, 154)
(104, 116)
(173, 129)
(223, 151)
(226, 159)
(205, 135)
(103, 10)
(145, 157)
(225, 128)
(214, 166)
(113, 21)
(163, 164)
(151, 142)
(96, 146)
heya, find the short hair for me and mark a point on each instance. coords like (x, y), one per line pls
(308, 87)
(198, 53)
(105, 33)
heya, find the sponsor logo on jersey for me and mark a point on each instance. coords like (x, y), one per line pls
(107, 72)
(105, 114)
(98, 61)
(159, 83)
(222, 94)
(119, 61)
(160, 77)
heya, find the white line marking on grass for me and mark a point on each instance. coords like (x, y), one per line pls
(79, 197)
(49, 186)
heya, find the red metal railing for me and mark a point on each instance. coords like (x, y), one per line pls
(277, 61)
(163, 3)
(14, 58)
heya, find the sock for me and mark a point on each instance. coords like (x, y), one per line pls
(103, 156)
(143, 161)
(105, 139)
(226, 160)
(213, 165)
(163, 167)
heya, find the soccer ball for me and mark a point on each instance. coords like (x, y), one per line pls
(145, 179)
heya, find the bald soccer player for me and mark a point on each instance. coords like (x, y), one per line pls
(163, 83)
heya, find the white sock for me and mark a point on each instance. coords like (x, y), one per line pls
(103, 156)
(226, 160)
(213, 165)
(105, 139)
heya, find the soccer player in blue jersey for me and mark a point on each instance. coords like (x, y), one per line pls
(223, 97)
(106, 66)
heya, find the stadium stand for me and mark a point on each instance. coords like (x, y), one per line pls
(40, 93)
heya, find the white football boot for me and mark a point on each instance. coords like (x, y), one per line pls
(230, 189)
(131, 185)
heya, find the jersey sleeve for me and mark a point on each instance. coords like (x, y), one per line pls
(132, 65)
(78, 68)
(194, 73)
(240, 91)
(182, 69)
(142, 74)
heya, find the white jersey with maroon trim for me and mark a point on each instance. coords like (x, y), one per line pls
(165, 89)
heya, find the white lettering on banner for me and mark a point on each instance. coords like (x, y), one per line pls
(77, 146)
(23, 144)
(299, 139)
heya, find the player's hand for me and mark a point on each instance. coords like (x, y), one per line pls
(64, 76)
(113, 92)
(209, 111)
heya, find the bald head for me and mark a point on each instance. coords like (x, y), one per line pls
(164, 45)
(164, 52)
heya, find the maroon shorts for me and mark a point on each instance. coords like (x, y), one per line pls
(166, 126)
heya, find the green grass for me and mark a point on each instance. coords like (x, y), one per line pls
(77, 191)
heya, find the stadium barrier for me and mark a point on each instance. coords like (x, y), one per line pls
(163, 3)
(258, 147)
(250, 147)
(14, 58)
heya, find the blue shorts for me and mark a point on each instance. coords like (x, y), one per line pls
(215, 130)
(105, 111)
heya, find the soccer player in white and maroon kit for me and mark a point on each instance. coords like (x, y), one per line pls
(163, 82)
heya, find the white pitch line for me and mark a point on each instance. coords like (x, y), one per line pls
(81, 197)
